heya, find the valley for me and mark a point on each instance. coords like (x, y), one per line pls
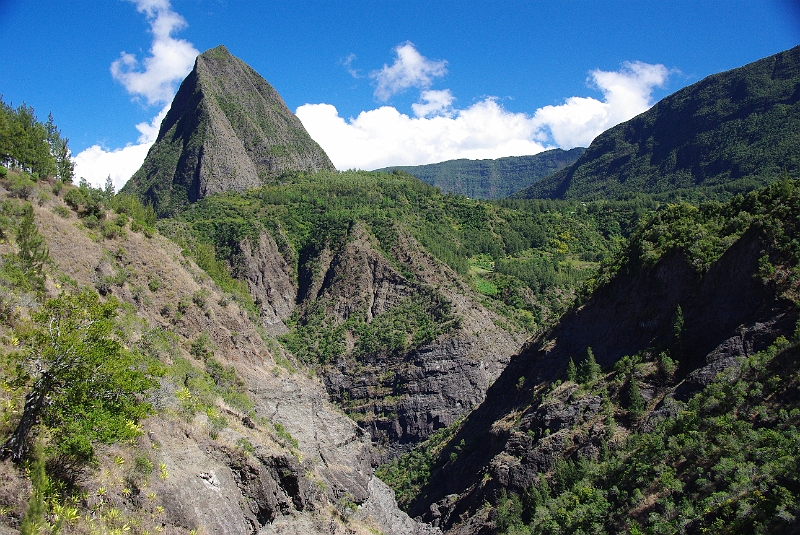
(288, 348)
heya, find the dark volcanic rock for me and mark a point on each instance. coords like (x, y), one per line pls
(522, 428)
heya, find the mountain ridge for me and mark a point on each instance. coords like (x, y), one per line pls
(491, 178)
(227, 130)
(730, 132)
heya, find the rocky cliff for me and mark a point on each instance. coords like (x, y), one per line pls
(227, 130)
(268, 453)
(398, 395)
(491, 179)
(535, 416)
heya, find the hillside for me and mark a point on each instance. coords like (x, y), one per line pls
(666, 402)
(235, 438)
(407, 302)
(227, 130)
(491, 179)
(731, 132)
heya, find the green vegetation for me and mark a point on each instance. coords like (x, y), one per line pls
(79, 381)
(703, 233)
(92, 204)
(730, 133)
(726, 463)
(534, 253)
(409, 473)
(33, 147)
(491, 179)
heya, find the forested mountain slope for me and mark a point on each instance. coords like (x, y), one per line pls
(194, 421)
(227, 130)
(409, 303)
(491, 179)
(665, 402)
(731, 132)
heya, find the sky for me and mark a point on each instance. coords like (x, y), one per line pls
(379, 82)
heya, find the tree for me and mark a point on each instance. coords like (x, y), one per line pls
(589, 369)
(81, 382)
(28, 143)
(32, 252)
(59, 150)
(636, 403)
(572, 370)
(109, 189)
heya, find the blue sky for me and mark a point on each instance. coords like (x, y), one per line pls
(379, 83)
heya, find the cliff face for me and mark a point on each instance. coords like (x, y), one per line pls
(529, 420)
(398, 396)
(491, 179)
(227, 130)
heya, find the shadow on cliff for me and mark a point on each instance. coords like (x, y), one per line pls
(727, 312)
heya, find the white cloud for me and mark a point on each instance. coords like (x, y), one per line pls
(95, 164)
(148, 132)
(170, 59)
(626, 93)
(169, 62)
(434, 102)
(348, 65)
(384, 137)
(410, 69)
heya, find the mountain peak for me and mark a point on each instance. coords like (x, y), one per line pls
(227, 129)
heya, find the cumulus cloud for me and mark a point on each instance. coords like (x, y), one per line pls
(410, 69)
(626, 93)
(384, 137)
(170, 59)
(155, 80)
(96, 164)
(434, 102)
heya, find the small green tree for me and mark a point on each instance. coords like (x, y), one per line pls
(589, 369)
(81, 382)
(59, 150)
(636, 403)
(32, 252)
(572, 370)
(108, 191)
(34, 521)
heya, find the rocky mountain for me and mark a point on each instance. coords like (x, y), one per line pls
(240, 440)
(403, 343)
(227, 130)
(491, 179)
(651, 355)
(731, 132)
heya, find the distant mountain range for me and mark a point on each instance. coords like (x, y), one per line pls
(491, 179)
(227, 130)
(730, 132)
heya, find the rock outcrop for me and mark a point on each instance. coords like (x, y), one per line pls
(227, 130)
(398, 397)
(293, 463)
(528, 422)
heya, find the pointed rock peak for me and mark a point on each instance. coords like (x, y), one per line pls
(227, 130)
(216, 52)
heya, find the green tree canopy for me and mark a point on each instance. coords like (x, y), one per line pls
(81, 382)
